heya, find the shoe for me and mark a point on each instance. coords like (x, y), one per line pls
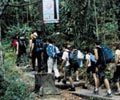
(72, 89)
(108, 95)
(96, 92)
(35, 91)
(85, 86)
(77, 80)
(117, 93)
(64, 81)
(26, 66)
(59, 79)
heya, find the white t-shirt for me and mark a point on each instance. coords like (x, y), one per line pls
(88, 58)
(65, 57)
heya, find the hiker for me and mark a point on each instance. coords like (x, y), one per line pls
(101, 67)
(21, 50)
(52, 51)
(117, 69)
(67, 68)
(75, 56)
(37, 49)
(90, 65)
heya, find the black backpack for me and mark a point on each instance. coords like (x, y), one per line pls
(38, 47)
(22, 43)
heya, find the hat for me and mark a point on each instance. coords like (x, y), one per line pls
(35, 34)
(32, 36)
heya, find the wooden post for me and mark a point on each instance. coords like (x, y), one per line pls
(1, 59)
(45, 83)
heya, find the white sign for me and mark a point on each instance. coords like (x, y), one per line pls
(50, 11)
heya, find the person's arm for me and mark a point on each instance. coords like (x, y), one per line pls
(17, 48)
(30, 45)
(116, 59)
(96, 54)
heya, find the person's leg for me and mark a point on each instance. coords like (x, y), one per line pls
(96, 80)
(39, 62)
(72, 84)
(55, 69)
(117, 79)
(18, 59)
(107, 85)
(50, 65)
(33, 61)
(77, 75)
(25, 58)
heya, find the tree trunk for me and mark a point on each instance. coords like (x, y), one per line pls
(46, 84)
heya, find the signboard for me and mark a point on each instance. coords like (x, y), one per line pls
(50, 11)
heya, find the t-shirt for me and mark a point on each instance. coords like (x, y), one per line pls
(65, 57)
(117, 52)
(88, 58)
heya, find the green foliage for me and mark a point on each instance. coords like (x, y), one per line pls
(13, 86)
(21, 29)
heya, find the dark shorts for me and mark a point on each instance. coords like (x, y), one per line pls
(68, 70)
(75, 66)
(102, 72)
(116, 76)
(91, 69)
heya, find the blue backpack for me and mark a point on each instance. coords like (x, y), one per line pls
(38, 45)
(51, 51)
(73, 57)
(92, 59)
(107, 54)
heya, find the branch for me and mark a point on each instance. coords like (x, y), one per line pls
(24, 4)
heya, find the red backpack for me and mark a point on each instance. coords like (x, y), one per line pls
(14, 43)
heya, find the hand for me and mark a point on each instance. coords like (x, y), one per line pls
(30, 54)
(16, 52)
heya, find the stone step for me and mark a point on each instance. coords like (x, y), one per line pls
(67, 85)
(85, 93)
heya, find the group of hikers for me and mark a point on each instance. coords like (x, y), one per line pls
(44, 55)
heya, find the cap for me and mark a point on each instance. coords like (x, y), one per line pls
(35, 33)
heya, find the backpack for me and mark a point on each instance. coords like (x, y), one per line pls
(38, 45)
(22, 43)
(92, 59)
(107, 54)
(14, 43)
(73, 57)
(51, 51)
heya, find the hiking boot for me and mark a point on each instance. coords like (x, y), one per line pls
(108, 95)
(96, 92)
(117, 93)
(72, 89)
